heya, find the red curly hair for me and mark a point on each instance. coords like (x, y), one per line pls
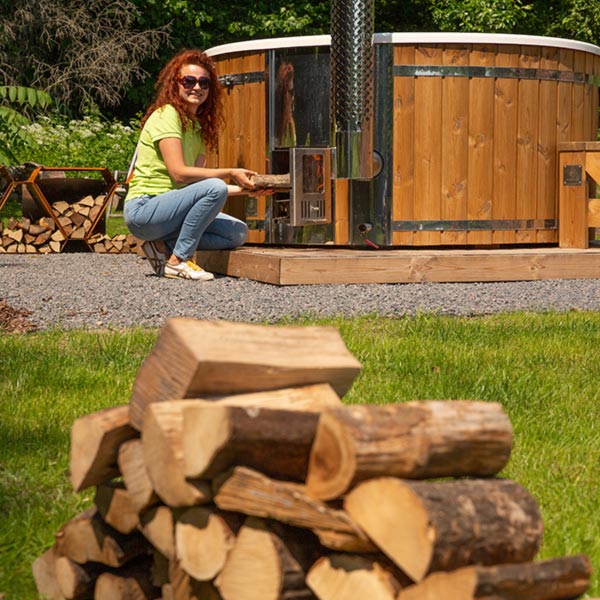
(210, 112)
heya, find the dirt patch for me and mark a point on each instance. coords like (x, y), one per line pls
(15, 320)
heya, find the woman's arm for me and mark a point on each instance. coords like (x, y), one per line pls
(172, 153)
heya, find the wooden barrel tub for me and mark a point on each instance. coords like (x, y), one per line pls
(466, 125)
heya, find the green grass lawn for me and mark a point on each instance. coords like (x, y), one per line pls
(544, 369)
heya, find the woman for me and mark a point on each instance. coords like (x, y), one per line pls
(174, 201)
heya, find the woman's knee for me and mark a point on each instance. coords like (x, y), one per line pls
(239, 233)
(215, 188)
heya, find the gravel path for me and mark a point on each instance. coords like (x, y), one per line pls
(87, 290)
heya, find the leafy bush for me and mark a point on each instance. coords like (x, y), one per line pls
(480, 15)
(92, 141)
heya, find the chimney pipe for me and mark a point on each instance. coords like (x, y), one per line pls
(352, 26)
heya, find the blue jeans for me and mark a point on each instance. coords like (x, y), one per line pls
(186, 219)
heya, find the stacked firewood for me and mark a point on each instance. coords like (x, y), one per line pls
(236, 472)
(77, 220)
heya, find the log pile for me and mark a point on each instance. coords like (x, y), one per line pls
(77, 221)
(236, 472)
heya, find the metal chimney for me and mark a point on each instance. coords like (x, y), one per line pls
(352, 82)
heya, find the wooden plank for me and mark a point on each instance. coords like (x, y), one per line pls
(506, 110)
(404, 136)
(573, 210)
(578, 131)
(455, 145)
(428, 147)
(302, 266)
(481, 144)
(547, 159)
(527, 135)
(563, 122)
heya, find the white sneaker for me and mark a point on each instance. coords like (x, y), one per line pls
(187, 270)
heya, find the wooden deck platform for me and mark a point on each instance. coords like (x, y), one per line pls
(295, 266)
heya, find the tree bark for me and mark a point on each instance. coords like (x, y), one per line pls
(217, 357)
(413, 440)
(429, 526)
(203, 540)
(277, 442)
(163, 456)
(252, 493)
(349, 577)
(95, 441)
(267, 562)
(555, 579)
(87, 538)
(135, 475)
(116, 507)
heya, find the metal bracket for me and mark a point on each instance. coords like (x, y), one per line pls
(572, 174)
(230, 80)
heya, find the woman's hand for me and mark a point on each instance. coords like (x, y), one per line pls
(242, 178)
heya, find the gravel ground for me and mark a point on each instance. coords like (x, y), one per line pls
(87, 290)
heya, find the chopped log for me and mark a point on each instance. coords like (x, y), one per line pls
(77, 581)
(115, 505)
(348, 577)
(412, 440)
(87, 538)
(44, 575)
(203, 539)
(57, 236)
(555, 579)
(157, 524)
(60, 207)
(184, 587)
(315, 397)
(267, 562)
(54, 246)
(131, 464)
(219, 357)
(252, 493)
(427, 526)
(78, 233)
(163, 455)
(131, 582)
(47, 222)
(95, 441)
(274, 182)
(88, 201)
(278, 442)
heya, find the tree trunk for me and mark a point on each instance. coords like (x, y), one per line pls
(203, 539)
(267, 563)
(95, 441)
(87, 538)
(218, 357)
(135, 475)
(413, 440)
(278, 442)
(556, 579)
(252, 493)
(349, 577)
(44, 575)
(163, 456)
(429, 526)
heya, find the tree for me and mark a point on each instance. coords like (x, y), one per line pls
(82, 52)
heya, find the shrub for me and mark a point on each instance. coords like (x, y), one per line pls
(92, 141)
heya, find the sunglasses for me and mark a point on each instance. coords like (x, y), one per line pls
(189, 82)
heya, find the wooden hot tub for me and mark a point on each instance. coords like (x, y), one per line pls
(466, 126)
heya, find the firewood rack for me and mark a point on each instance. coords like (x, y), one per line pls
(31, 183)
